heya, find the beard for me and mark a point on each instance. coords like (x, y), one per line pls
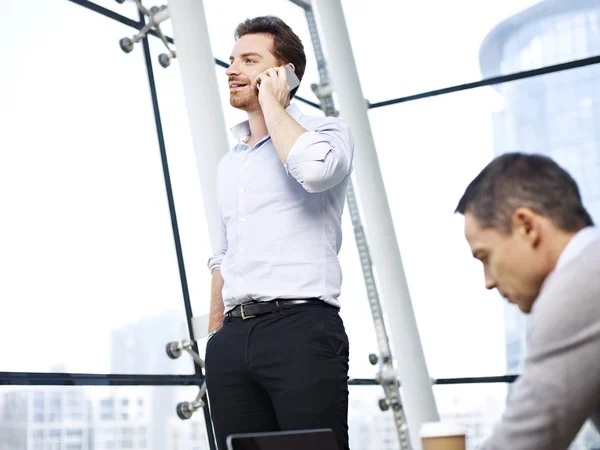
(246, 99)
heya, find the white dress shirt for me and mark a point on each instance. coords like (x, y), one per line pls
(280, 224)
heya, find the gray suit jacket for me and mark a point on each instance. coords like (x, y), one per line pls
(559, 387)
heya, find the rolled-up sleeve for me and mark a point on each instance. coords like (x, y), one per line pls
(322, 158)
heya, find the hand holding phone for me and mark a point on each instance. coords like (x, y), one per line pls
(292, 80)
(275, 89)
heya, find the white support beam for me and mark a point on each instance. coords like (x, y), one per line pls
(417, 392)
(201, 90)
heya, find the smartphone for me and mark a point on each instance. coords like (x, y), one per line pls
(292, 80)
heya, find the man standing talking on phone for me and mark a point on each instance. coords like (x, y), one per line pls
(277, 355)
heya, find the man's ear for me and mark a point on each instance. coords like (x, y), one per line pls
(526, 225)
(293, 67)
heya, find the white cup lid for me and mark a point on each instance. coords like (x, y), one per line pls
(442, 429)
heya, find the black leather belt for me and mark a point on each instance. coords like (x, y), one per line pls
(253, 309)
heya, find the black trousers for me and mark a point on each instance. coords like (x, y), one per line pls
(280, 371)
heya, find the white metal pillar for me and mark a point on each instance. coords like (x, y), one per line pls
(204, 108)
(417, 391)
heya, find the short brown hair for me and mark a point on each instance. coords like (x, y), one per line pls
(287, 46)
(516, 180)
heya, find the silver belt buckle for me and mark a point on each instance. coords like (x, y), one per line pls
(244, 316)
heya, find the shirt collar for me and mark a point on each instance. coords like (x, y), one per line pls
(576, 245)
(242, 130)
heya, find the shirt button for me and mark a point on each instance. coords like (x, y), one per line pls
(239, 279)
(246, 163)
(242, 190)
(242, 250)
(243, 220)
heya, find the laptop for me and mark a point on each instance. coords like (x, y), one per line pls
(322, 439)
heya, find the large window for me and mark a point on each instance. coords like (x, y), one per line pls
(89, 274)
(88, 263)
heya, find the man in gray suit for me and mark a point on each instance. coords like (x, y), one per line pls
(525, 222)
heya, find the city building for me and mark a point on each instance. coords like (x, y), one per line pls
(123, 421)
(42, 418)
(555, 114)
(140, 348)
(53, 418)
(369, 427)
(186, 435)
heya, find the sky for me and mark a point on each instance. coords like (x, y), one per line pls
(85, 239)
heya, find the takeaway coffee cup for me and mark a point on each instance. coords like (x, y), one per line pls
(443, 436)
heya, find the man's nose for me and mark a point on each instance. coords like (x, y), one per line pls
(232, 70)
(490, 283)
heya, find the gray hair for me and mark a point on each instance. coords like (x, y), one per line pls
(516, 180)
